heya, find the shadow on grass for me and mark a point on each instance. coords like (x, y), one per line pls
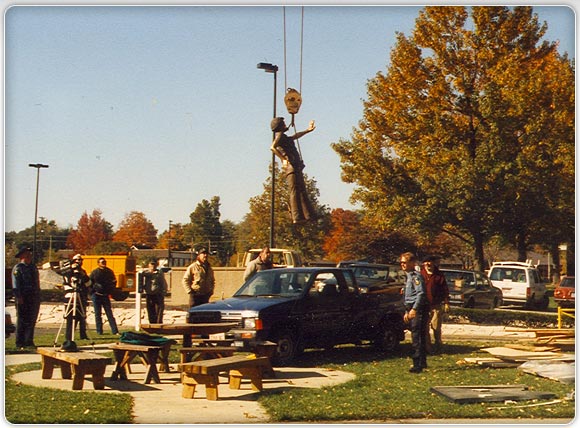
(363, 354)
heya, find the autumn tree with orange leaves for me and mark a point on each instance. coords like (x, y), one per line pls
(136, 229)
(469, 132)
(91, 229)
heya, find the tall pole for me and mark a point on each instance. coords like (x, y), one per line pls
(271, 68)
(37, 166)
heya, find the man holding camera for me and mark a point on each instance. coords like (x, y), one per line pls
(76, 283)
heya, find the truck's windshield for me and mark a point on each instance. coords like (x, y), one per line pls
(274, 283)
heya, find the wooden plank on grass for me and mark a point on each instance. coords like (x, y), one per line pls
(489, 393)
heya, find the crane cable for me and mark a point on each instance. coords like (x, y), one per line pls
(292, 124)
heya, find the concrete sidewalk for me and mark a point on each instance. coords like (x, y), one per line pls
(162, 403)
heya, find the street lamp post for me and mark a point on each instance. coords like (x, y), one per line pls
(37, 166)
(271, 68)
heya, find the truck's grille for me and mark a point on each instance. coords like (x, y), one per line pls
(205, 317)
(232, 317)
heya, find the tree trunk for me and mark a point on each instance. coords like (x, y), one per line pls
(478, 252)
(521, 246)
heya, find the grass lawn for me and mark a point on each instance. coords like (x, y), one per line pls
(383, 389)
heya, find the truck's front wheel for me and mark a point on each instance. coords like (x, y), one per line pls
(288, 348)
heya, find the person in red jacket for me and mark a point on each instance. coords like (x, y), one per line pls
(438, 297)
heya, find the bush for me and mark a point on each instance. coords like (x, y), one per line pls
(508, 318)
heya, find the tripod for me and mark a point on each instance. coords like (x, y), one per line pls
(74, 310)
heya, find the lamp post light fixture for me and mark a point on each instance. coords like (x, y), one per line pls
(37, 166)
(271, 68)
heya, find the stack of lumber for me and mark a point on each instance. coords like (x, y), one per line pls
(560, 338)
(512, 355)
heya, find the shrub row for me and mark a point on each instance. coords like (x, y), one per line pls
(509, 318)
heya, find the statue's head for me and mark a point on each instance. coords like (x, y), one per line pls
(278, 125)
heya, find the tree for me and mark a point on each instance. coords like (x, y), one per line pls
(307, 238)
(448, 134)
(344, 237)
(90, 230)
(353, 237)
(136, 229)
(50, 238)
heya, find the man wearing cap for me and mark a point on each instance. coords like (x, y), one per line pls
(438, 297)
(284, 147)
(77, 283)
(26, 288)
(199, 283)
(199, 280)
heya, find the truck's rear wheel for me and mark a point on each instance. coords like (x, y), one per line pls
(388, 339)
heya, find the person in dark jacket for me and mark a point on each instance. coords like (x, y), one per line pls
(417, 311)
(438, 297)
(26, 288)
(102, 284)
(154, 287)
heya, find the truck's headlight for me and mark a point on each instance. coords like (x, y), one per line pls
(252, 323)
(249, 323)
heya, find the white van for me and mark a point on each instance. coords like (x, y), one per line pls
(520, 283)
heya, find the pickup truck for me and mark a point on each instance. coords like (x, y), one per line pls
(281, 257)
(300, 308)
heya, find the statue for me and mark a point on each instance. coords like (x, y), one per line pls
(284, 147)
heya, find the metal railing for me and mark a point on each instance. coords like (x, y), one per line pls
(565, 312)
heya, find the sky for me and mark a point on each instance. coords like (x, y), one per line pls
(153, 109)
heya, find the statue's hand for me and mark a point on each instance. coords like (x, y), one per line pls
(311, 126)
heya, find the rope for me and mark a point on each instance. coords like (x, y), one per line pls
(301, 50)
(293, 124)
(285, 69)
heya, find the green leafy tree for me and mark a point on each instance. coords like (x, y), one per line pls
(206, 230)
(50, 238)
(307, 238)
(448, 136)
(136, 229)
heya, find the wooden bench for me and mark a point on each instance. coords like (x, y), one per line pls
(126, 352)
(196, 353)
(75, 365)
(206, 372)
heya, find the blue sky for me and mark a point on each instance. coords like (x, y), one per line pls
(153, 109)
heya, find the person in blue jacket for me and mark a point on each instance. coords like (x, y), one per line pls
(26, 288)
(417, 311)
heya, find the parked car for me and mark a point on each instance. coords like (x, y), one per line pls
(299, 308)
(471, 289)
(376, 277)
(565, 292)
(520, 283)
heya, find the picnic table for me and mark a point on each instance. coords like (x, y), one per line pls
(189, 329)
